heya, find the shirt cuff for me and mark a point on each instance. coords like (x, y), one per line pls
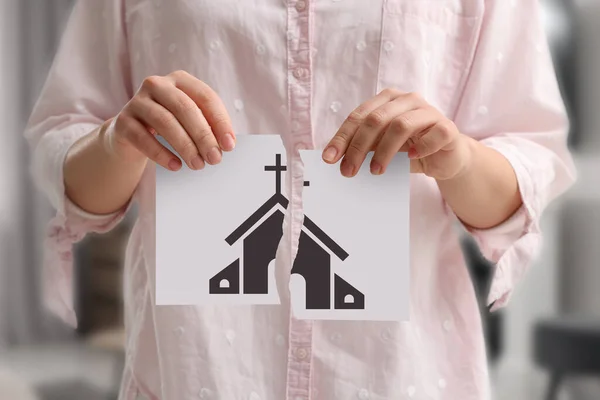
(49, 158)
(514, 244)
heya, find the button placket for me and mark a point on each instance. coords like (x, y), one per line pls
(299, 70)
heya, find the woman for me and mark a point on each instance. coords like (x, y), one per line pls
(486, 137)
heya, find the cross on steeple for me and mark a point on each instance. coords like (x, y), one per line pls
(278, 168)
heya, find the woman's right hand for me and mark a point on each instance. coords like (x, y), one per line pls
(182, 109)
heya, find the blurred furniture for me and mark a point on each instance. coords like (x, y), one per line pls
(563, 37)
(99, 260)
(482, 271)
(567, 346)
(112, 341)
(99, 263)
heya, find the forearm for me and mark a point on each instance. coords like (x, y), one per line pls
(96, 179)
(486, 193)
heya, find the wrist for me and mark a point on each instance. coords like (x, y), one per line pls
(467, 149)
(115, 149)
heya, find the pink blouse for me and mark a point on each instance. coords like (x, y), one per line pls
(297, 68)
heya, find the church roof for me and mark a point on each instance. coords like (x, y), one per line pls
(263, 210)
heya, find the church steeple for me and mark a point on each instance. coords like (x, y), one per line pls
(278, 168)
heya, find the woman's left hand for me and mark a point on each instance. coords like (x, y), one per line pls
(395, 121)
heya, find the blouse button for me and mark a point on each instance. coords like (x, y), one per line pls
(446, 325)
(442, 383)
(363, 394)
(300, 73)
(180, 331)
(427, 57)
(410, 391)
(300, 5)
(388, 46)
(386, 334)
(360, 46)
(238, 104)
(254, 396)
(260, 49)
(204, 393)
(215, 44)
(301, 354)
(336, 337)
(335, 106)
(172, 48)
(280, 340)
(483, 110)
(230, 336)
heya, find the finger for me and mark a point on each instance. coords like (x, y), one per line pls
(166, 125)
(211, 105)
(399, 131)
(416, 167)
(338, 145)
(191, 119)
(433, 140)
(371, 130)
(138, 135)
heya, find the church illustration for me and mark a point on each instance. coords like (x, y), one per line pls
(313, 260)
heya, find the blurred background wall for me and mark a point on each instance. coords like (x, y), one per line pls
(80, 365)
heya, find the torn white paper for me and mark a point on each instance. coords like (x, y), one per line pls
(217, 230)
(353, 253)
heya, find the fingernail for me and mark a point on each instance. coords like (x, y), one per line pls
(347, 168)
(197, 162)
(412, 153)
(228, 142)
(329, 154)
(214, 156)
(375, 168)
(173, 165)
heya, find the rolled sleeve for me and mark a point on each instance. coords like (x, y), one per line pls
(88, 84)
(513, 79)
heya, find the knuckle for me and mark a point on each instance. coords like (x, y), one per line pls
(355, 116)
(415, 96)
(389, 92)
(156, 153)
(446, 131)
(165, 119)
(354, 149)
(401, 124)
(220, 119)
(184, 105)
(342, 137)
(423, 145)
(204, 137)
(178, 74)
(376, 119)
(152, 82)
(188, 149)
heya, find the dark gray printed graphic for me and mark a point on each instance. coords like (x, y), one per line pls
(312, 261)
